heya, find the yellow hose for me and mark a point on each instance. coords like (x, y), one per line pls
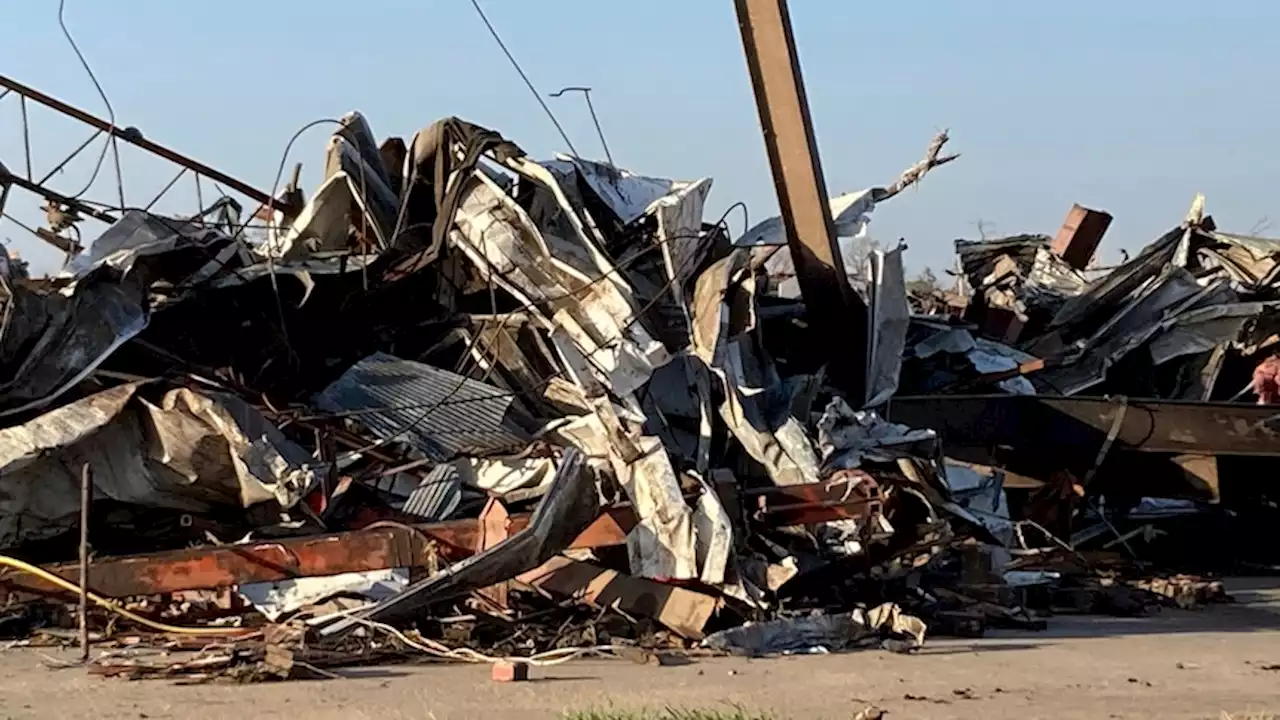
(100, 601)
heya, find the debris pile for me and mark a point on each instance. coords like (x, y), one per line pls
(1188, 318)
(1127, 409)
(467, 405)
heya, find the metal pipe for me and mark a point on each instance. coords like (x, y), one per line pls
(26, 133)
(69, 158)
(166, 189)
(47, 194)
(86, 493)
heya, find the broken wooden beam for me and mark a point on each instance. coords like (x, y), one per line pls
(684, 611)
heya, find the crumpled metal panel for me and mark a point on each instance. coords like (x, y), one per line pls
(594, 330)
(568, 508)
(66, 339)
(723, 340)
(986, 356)
(224, 450)
(1150, 310)
(24, 444)
(850, 213)
(628, 195)
(669, 541)
(441, 414)
(191, 452)
(504, 475)
(840, 631)
(849, 210)
(1112, 289)
(354, 177)
(679, 219)
(139, 235)
(591, 321)
(277, 599)
(1051, 275)
(890, 318)
(1253, 262)
(1202, 329)
(847, 437)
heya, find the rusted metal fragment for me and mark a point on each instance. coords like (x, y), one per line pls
(684, 611)
(358, 551)
(563, 513)
(495, 522)
(390, 546)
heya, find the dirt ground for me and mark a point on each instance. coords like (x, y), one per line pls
(1172, 665)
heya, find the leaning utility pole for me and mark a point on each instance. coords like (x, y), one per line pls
(835, 310)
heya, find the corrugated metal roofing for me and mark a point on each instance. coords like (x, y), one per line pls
(442, 414)
(437, 496)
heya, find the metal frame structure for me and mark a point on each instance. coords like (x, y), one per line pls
(63, 209)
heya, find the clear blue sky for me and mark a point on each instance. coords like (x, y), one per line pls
(1128, 106)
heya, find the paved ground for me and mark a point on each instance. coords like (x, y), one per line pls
(1174, 665)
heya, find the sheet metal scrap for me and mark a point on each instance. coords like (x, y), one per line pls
(832, 632)
(440, 414)
(447, 326)
(565, 511)
(185, 452)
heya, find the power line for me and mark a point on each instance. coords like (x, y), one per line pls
(110, 142)
(536, 95)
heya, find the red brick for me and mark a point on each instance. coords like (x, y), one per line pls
(510, 672)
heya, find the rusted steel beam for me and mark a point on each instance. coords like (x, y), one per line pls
(8, 178)
(131, 135)
(357, 551)
(851, 494)
(383, 546)
(838, 312)
(1075, 427)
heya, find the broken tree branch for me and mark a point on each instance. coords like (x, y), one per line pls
(916, 173)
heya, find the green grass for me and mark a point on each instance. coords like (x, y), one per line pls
(668, 714)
